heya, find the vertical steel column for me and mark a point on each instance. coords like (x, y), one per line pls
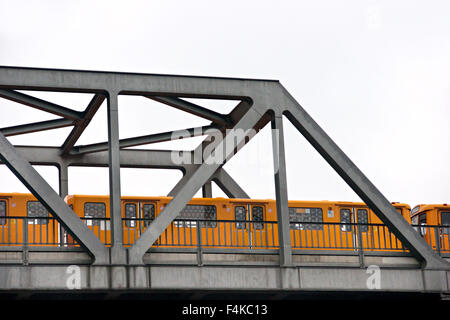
(63, 192)
(118, 253)
(284, 233)
(207, 190)
(63, 181)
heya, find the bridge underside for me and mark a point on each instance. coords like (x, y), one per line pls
(199, 281)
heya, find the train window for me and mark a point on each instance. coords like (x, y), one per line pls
(94, 212)
(445, 220)
(148, 213)
(2, 213)
(346, 217)
(35, 209)
(258, 217)
(308, 215)
(240, 217)
(363, 218)
(423, 222)
(190, 213)
(130, 215)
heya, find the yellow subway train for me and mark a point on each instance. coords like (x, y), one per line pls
(224, 223)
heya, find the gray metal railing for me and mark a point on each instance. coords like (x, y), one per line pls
(226, 234)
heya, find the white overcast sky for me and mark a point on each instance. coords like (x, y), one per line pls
(375, 75)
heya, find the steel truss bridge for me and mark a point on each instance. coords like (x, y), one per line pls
(144, 266)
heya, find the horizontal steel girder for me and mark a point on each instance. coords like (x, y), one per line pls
(148, 139)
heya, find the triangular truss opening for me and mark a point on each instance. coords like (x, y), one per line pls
(97, 129)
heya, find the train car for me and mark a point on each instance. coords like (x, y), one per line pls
(211, 222)
(243, 223)
(23, 219)
(340, 225)
(432, 221)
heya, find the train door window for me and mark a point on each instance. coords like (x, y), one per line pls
(148, 213)
(258, 217)
(240, 217)
(130, 215)
(346, 217)
(2, 213)
(423, 223)
(445, 220)
(307, 215)
(35, 209)
(363, 218)
(94, 213)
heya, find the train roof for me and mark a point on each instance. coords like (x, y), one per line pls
(425, 207)
(232, 200)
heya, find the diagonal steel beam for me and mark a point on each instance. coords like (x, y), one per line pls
(337, 159)
(221, 177)
(40, 104)
(148, 139)
(201, 175)
(52, 201)
(228, 185)
(36, 126)
(192, 108)
(78, 130)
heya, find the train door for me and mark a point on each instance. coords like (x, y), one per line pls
(352, 235)
(147, 213)
(445, 231)
(423, 227)
(258, 227)
(249, 227)
(130, 221)
(137, 216)
(362, 229)
(347, 238)
(4, 223)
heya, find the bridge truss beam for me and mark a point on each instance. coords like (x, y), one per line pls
(261, 102)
